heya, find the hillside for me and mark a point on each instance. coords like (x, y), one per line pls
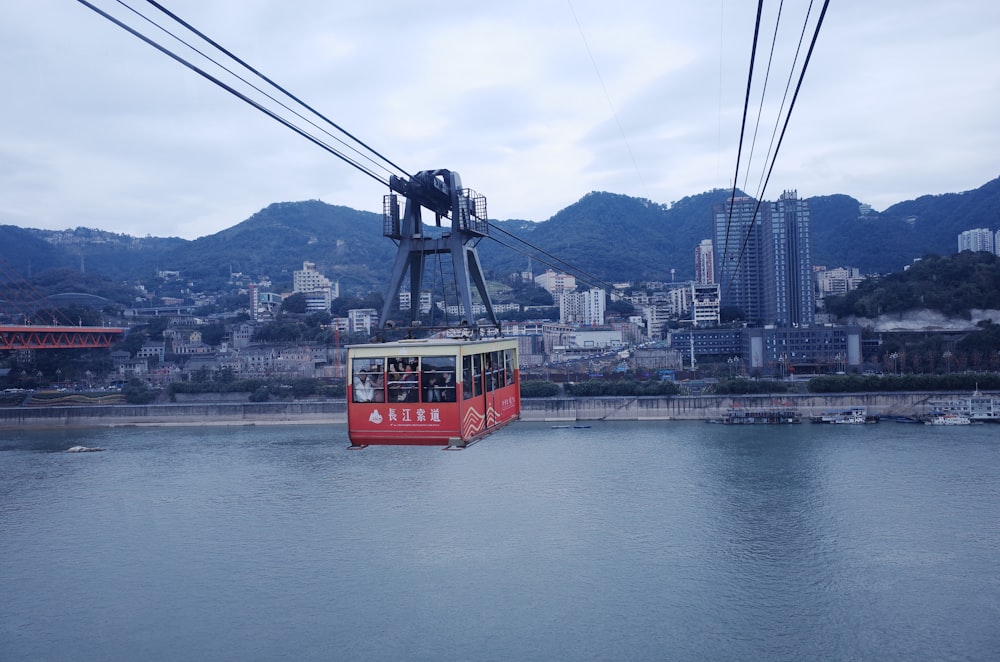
(952, 285)
(344, 243)
(938, 219)
(616, 237)
(607, 235)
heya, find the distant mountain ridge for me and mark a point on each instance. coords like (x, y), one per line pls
(604, 235)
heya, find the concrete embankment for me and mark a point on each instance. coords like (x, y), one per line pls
(715, 406)
(532, 409)
(216, 413)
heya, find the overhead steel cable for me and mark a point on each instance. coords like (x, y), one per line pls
(582, 276)
(784, 97)
(586, 277)
(276, 85)
(240, 95)
(763, 93)
(791, 106)
(360, 154)
(17, 290)
(743, 126)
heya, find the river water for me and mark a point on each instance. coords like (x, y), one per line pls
(623, 541)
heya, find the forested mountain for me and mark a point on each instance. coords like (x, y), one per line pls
(610, 236)
(937, 219)
(346, 245)
(951, 284)
(28, 252)
(615, 237)
(22, 254)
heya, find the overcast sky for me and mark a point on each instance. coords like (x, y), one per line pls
(535, 103)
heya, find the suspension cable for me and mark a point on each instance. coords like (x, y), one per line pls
(243, 97)
(743, 126)
(586, 277)
(276, 85)
(791, 106)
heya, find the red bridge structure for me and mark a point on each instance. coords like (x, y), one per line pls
(58, 337)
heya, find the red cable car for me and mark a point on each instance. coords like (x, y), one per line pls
(445, 392)
(433, 391)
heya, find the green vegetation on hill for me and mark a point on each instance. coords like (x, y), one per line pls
(951, 284)
(610, 236)
(615, 237)
(346, 245)
(938, 219)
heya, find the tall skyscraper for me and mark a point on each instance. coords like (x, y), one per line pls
(704, 263)
(789, 298)
(764, 259)
(737, 256)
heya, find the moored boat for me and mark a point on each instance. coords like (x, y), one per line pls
(948, 419)
(761, 416)
(852, 416)
(977, 407)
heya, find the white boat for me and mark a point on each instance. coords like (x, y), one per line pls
(977, 407)
(948, 419)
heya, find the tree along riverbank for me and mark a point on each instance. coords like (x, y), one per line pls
(642, 408)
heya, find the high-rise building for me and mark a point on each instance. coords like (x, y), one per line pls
(704, 263)
(789, 297)
(738, 252)
(705, 304)
(980, 239)
(583, 307)
(317, 288)
(763, 259)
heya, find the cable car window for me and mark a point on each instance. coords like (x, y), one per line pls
(477, 375)
(498, 375)
(368, 380)
(438, 377)
(466, 377)
(488, 371)
(403, 379)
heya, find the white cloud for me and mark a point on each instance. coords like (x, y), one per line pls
(534, 103)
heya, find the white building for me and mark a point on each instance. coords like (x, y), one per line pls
(151, 350)
(980, 239)
(362, 320)
(307, 279)
(583, 340)
(656, 315)
(833, 282)
(583, 307)
(319, 291)
(405, 301)
(704, 263)
(556, 283)
(705, 304)
(679, 301)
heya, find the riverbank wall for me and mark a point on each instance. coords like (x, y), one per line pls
(532, 409)
(194, 414)
(715, 406)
